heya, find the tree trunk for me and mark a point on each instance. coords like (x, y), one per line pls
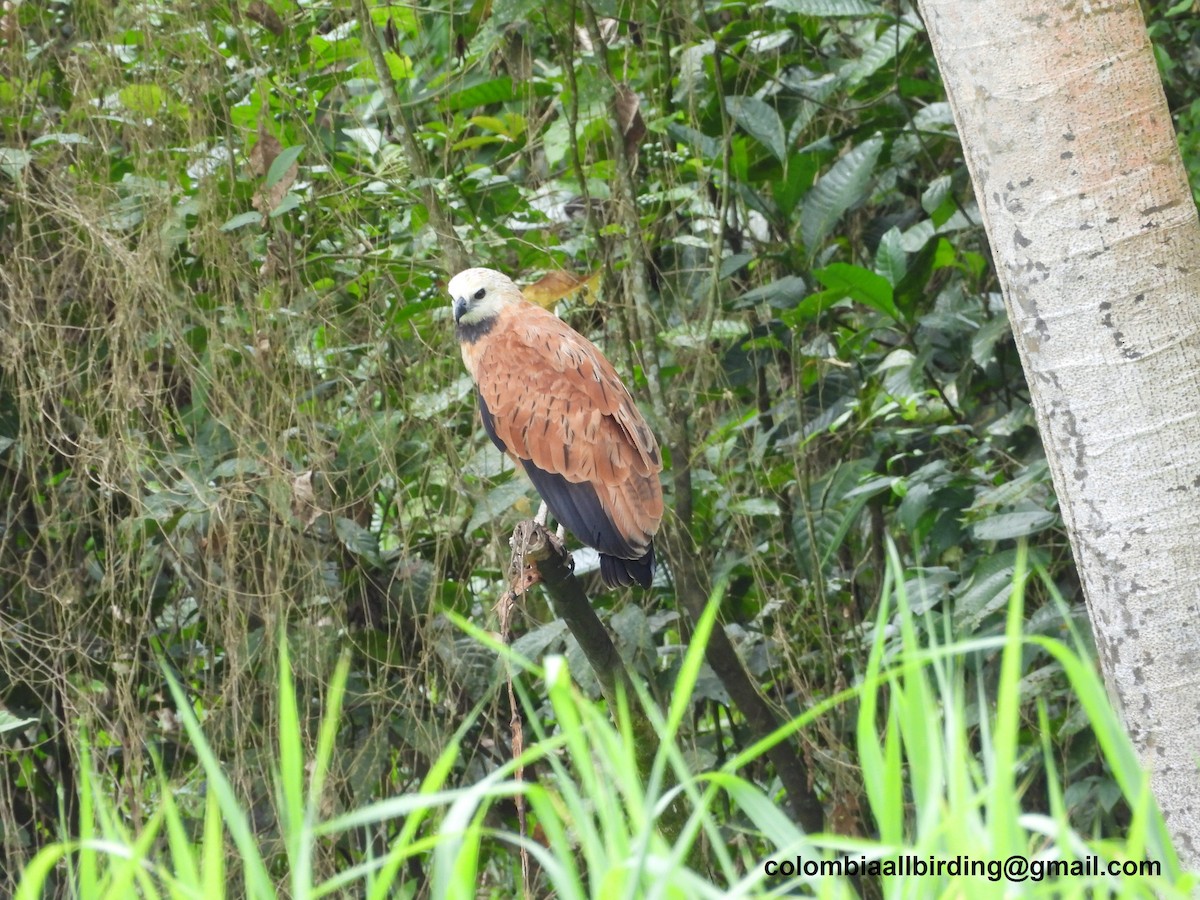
(1097, 246)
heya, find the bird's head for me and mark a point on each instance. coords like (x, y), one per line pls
(478, 296)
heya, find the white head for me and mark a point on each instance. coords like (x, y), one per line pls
(478, 295)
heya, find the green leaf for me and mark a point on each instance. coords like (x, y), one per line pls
(694, 335)
(556, 141)
(480, 140)
(534, 644)
(801, 170)
(142, 99)
(498, 501)
(761, 121)
(983, 342)
(860, 285)
(485, 93)
(1030, 488)
(282, 163)
(828, 8)
(784, 293)
(910, 290)
(287, 204)
(60, 138)
(433, 403)
(988, 589)
(809, 308)
(891, 260)
(814, 91)
(1005, 526)
(402, 18)
(634, 637)
(371, 140)
(937, 118)
(496, 125)
(880, 53)
(839, 189)
(707, 147)
(355, 538)
(945, 256)
(937, 192)
(734, 263)
(13, 161)
(399, 67)
(833, 507)
(755, 506)
(9, 722)
(236, 467)
(246, 218)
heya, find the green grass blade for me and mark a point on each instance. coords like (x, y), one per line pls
(214, 848)
(258, 882)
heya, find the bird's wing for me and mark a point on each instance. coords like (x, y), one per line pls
(556, 404)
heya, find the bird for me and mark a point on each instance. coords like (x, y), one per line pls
(551, 401)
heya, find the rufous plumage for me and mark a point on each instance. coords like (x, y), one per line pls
(551, 401)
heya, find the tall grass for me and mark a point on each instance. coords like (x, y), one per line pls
(940, 780)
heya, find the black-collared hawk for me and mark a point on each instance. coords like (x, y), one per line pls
(552, 402)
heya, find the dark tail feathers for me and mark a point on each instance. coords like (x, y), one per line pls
(618, 572)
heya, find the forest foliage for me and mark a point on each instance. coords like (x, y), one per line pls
(231, 404)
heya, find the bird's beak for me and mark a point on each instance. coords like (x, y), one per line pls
(460, 307)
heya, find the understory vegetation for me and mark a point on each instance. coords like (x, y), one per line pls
(253, 537)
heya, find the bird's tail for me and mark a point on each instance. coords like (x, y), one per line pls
(618, 572)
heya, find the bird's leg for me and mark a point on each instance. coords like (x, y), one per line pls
(540, 518)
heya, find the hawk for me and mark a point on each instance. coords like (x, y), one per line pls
(551, 401)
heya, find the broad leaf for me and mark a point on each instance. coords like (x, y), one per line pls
(839, 189)
(860, 285)
(142, 99)
(498, 502)
(242, 219)
(1005, 526)
(281, 163)
(828, 8)
(755, 506)
(355, 538)
(784, 293)
(496, 90)
(880, 53)
(761, 121)
(9, 722)
(891, 260)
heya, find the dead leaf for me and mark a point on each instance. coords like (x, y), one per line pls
(259, 12)
(304, 500)
(608, 31)
(267, 200)
(265, 150)
(522, 573)
(259, 164)
(556, 285)
(630, 121)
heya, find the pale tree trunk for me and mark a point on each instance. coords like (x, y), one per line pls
(1097, 247)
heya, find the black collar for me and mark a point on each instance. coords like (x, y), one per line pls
(469, 333)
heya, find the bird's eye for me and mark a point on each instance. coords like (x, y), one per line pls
(479, 293)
